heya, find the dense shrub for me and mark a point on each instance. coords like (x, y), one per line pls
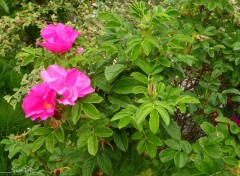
(166, 98)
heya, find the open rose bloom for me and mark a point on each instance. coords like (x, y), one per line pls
(71, 84)
(58, 38)
(39, 102)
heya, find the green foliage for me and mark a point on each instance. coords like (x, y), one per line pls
(166, 86)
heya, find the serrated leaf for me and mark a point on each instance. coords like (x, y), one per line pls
(91, 98)
(180, 159)
(103, 131)
(90, 110)
(214, 151)
(50, 143)
(173, 144)
(140, 77)
(154, 121)
(38, 143)
(146, 47)
(28, 60)
(167, 155)
(104, 162)
(173, 130)
(214, 138)
(41, 131)
(143, 112)
(88, 166)
(121, 140)
(83, 138)
(230, 160)
(187, 99)
(143, 65)
(136, 51)
(164, 114)
(165, 62)
(207, 128)
(111, 72)
(75, 113)
(186, 146)
(92, 145)
(59, 134)
(125, 85)
(124, 121)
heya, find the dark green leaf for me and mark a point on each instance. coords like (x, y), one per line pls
(75, 113)
(186, 147)
(121, 140)
(104, 162)
(38, 143)
(111, 72)
(91, 111)
(167, 155)
(180, 159)
(173, 130)
(88, 166)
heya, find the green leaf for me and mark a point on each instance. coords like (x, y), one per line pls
(88, 166)
(75, 113)
(164, 114)
(59, 134)
(92, 145)
(143, 65)
(141, 146)
(187, 99)
(167, 155)
(173, 130)
(91, 111)
(151, 150)
(124, 121)
(103, 131)
(112, 24)
(105, 164)
(40, 131)
(236, 46)
(140, 77)
(186, 146)
(28, 60)
(232, 91)
(111, 72)
(38, 143)
(83, 138)
(230, 160)
(91, 98)
(215, 74)
(120, 115)
(214, 138)
(208, 128)
(154, 121)
(165, 62)
(143, 112)
(154, 140)
(180, 159)
(137, 135)
(236, 99)
(135, 51)
(146, 47)
(125, 85)
(213, 151)
(201, 165)
(173, 144)
(121, 139)
(121, 100)
(50, 143)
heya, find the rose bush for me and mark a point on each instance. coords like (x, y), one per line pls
(165, 101)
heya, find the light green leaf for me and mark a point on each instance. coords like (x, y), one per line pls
(146, 47)
(50, 143)
(75, 113)
(173, 144)
(140, 77)
(151, 150)
(124, 121)
(91, 98)
(38, 143)
(28, 60)
(92, 145)
(91, 111)
(180, 159)
(187, 99)
(207, 127)
(111, 72)
(103, 131)
(143, 112)
(214, 138)
(213, 151)
(167, 155)
(154, 121)
(136, 51)
(230, 160)
(164, 114)
(186, 146)
(125, 85)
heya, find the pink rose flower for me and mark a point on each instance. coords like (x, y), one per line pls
(71, 83)
(58, 39)
(236, 120)
(39, 102)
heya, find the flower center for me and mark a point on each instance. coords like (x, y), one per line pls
(47, 105)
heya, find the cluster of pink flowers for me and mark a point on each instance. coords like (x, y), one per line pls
(70, 84)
